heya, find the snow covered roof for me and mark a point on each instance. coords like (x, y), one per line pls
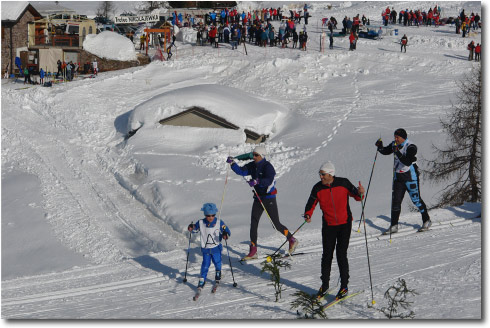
(233, 105)
(110, 45)
(46, 8)
(11, 10)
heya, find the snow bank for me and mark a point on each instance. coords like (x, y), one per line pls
(234, 105)
(110, 45)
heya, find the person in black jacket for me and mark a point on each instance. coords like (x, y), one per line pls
(405, 178)
(404, 42)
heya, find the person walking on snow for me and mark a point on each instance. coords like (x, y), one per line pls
(332, 193)
(471, 48)
(212, 231)
(477, 52)
(405, 178)
(404, 42)
(264, 183)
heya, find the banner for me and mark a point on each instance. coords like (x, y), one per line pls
(136, 19)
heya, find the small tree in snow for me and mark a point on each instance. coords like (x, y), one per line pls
(397, 298)
(273, 267)
(309, 305)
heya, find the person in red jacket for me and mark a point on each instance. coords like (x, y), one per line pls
(332, 193)
(477, 52)
(352, 40)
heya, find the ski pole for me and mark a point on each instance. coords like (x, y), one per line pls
(367, 191)
(231, 267)
(260, 200)
(367, 252)
(187, 261)
(277, 250)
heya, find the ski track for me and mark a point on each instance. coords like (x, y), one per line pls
(141, 292)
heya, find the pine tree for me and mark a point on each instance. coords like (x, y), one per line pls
(309, 305)
(461, 160)
(274, 267)
(397, 298)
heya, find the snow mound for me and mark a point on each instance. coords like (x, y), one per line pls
(234, 105)
(110, 45)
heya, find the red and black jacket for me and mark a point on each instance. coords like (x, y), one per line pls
(334, 201)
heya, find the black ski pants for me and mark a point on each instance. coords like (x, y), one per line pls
(335, 237)
(413, 189)
(270, 205)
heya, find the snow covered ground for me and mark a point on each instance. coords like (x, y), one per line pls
(94, 225)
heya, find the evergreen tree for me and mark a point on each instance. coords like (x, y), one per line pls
(309, 304)
(273, 266)
(461, 159)
(105, 8)
(397, 301)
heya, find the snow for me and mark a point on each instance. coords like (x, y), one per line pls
(110, 45)
(11, 10)
(94, 224)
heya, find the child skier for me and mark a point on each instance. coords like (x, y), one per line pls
(212, 231)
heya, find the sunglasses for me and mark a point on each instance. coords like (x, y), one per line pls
(210, 216)
(322, 174)
(256, 155)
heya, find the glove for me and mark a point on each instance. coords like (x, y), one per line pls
(253, 182)
(395, 147)
(230, 160)
(307, 218)
(225, 235)
(190, 227)
(379, 143)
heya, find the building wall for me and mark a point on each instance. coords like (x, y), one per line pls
(19, 39)
(109, 64)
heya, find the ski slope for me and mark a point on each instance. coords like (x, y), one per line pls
(443, 272)
(94, 225)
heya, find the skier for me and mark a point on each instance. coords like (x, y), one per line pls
(403, 42)
(212, 231)
(332, 193)
(405, 178)
(264, 184)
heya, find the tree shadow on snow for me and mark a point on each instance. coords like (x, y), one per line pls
(251, 269)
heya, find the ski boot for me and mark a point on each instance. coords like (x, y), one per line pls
(252, 254)
(425, 226)
(322, 292)
(392, 229)
(342, 293)
(293, 243)
(201, 283)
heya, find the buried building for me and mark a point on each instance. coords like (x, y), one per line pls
(199, 111)
(199, 117)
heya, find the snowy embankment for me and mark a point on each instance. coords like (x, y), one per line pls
(118, 208)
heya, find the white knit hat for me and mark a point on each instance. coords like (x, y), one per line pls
(260, 150)
(328, 168)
